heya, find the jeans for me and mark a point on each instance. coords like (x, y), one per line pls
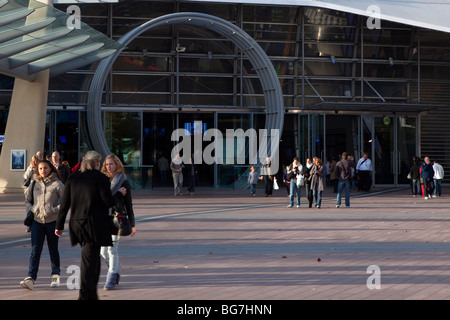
(428, 187)
(40, 231)
(294, 189)
(252, 188)
(111, 255)
(317, 196)
(437, 187)
(347, 185)
(177, 182)
(415, 185)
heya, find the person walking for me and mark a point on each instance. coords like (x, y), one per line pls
(64, 171)
(192, 171)
(121, 191)
(42, 198)
(364, 173)
(427, 174)
(295, 170)
(253, 178)
(286, 180)
(177, 174)
(334, 179)
(318, 176)
(163, 166)
(267, 176)
(88, 196)
(343, 170)
(307, 177)
(414, 173)
(438, 176)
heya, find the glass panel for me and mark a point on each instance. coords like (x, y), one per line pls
(67, 136)
(342, 136)
(384, 150)
(406, 135)
(157, 145)
(123, 135)
(197, 124)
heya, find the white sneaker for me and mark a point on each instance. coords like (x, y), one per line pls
(298, 206)
(426, 198)
(27, 283)
(434, 196)
(290, 206)
(55, 281)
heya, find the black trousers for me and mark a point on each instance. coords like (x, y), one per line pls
(89, 271)
(364, 180)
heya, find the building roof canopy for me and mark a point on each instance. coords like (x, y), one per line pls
(421, 13)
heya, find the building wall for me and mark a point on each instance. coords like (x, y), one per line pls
(320, 55)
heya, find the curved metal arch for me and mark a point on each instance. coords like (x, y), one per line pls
(255, 54)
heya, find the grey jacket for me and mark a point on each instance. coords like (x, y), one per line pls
(45, 196)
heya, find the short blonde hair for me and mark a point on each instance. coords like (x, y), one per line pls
(90, 160)
(119, 165)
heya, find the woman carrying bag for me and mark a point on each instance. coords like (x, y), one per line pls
(121, 191)
(42, 199)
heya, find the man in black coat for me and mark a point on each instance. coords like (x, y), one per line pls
(87, 194)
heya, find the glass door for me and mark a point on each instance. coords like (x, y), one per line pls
(384, 151)
(394, 145)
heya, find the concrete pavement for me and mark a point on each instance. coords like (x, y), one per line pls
(226, 245)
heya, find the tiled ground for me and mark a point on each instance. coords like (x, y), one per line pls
(225, 245)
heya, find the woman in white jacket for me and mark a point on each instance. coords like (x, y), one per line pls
(43, 198)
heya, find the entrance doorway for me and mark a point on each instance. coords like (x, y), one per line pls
(389, 140)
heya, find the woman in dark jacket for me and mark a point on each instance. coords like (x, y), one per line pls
(88, 196)
(121, 190)
(415, 177)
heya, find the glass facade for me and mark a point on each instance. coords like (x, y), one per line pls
(345, 87)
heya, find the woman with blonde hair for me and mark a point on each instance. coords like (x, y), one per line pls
(121, 191)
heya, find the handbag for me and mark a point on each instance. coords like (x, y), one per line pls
(275, 184)
(30, 215)
(121, 225)
(300, 180)
(409, 177)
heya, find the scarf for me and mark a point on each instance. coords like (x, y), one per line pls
(116, 182)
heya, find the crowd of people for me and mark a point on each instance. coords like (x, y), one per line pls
(345, 173)
(426, 178)
(94, 194)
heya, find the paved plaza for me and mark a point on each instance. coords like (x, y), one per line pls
(225, 245)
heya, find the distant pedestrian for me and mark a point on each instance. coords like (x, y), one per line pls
(267, 176)
(253, 178)
(364, 173)
(334, 179)
(414, 173)
(42, 198)
(192, 171)
(286, 180)
(64, 170)
(163, 166)
(177, 174)
(318, 180)
(295, 170)
(307, 177)
(427, 174)
(344, 171)
(438, 176)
